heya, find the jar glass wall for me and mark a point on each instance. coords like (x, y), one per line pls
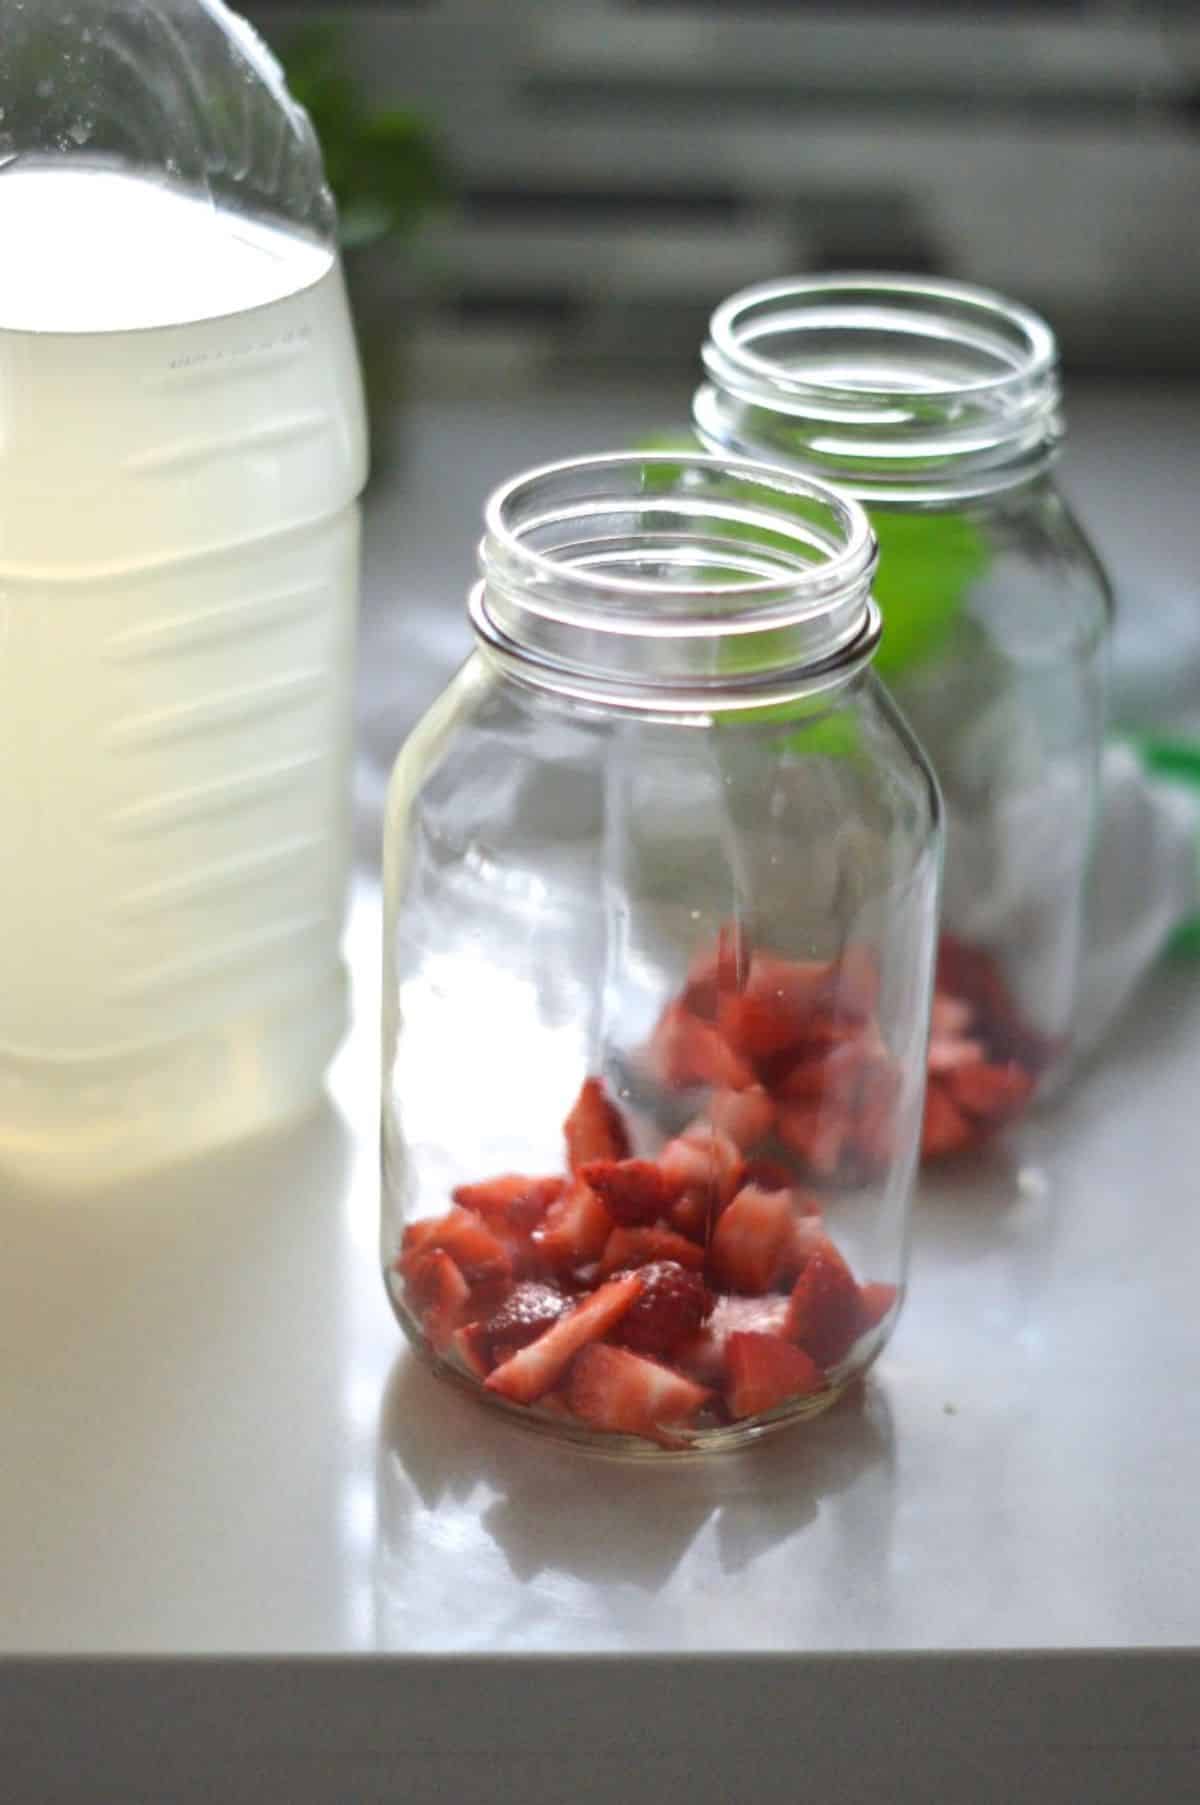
(937, 406)
(661, 888)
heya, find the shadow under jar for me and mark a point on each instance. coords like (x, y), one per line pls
(661, 874)
(937, 406)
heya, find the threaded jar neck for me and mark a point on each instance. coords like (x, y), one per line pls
(895, 388)
(675, 581)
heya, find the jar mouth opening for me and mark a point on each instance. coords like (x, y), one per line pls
(858, 335)
(673, 543)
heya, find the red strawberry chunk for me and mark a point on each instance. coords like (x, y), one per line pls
(994, 1093)
(528, 1310)
(806, 1237)
(691, 1215)
(764, 1371)
(631, 1190)
(945, 1129)
(750, 1237)
(614, 1389)
(856, 983)
(950, 1017)
(772, 1012)
(573, 1230)
(439, 1294)
(513, 1198)
(479, 1255)
(672, 1306)
(947, 1054)
(875, 1301)
(629, 1247)
(816, 1132)
(703, 1355)
(534, 1369)
(718, 968)
(704, 1160)
(824, 1315)
(595, 1128)
(472, 1346)
(685, 1051)
(745, 1116)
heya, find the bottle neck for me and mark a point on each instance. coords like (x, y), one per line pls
(898, 390)
(676, 583)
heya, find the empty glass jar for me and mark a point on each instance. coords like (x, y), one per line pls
(661, 874)
(937, 406)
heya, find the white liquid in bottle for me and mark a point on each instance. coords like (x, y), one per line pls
(181, 451)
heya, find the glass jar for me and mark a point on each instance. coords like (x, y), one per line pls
(937, 406)
(661, 873)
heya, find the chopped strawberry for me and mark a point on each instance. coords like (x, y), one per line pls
(873, 1138)
(573, 1230)
(702, 1159)
(476, 1251)
(806, 1237)
(672, 1306)
(628, 1247)
(702, 1356)
(439, 1294)
(750, 1237)
(528, 1310)
(994, 1093)
(745, 1116)
(825, 1075)
(767, 1173)
(856, 983)
(764, 1371)
(512, 1198)
(533, 1369)
(945, 1129)
(684, 1051)
(691, 1215)
(950, 1017)
(816, 1133)
(875, 1301)
(631, 1190)
(947, 1054)
(472, 1346)
(595, 1128)
(718, 968)
(614, 1389)
(771, 1013)
(824, 1315)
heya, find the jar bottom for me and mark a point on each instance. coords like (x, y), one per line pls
(690, 1444)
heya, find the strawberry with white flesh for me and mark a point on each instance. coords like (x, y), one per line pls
(673, 1303)
(945, 1130)
(528, 1311)
(536, 1368)
(744, 1116)
(750, 1238)
(573, 1231)
(613, 1389)
(594, 1129)
(685, 1051)
(702, 1356)
(771, 1013)
(628, 1247)
(876, 1300)
(764, 1371)
(440, 1295)
(513, 1199)
(992, 1093)
(703, 1159)
(478, 1253)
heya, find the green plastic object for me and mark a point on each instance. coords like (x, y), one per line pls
(1179, 762)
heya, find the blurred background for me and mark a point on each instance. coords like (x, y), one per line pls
(542, 200)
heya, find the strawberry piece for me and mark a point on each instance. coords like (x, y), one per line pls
(945, 1130)
(684, 1051)
(717, 969)
(534, 1369)
(629, 1247)
(573, 1230)
(768, 1174)
(595, 1128)
(439, 1294)
(703, 1160)
(994, 1093)
(512, 1199)
(631, 1190)
(702, 1356)
(771, 1013)
(824, 1314)
(672, 1306)
(479, 1255)
(745, 1116)
(472, 1346)
(875, 1301)
(946, 1054)
(626, 1394)
(950, 1017)
(806, 1237)
(750, 1237)
(764, 1371)
(856, 983)
(528, 1310)
(817, 1133)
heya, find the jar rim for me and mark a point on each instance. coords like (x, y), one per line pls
(891, 386)
(674, 571)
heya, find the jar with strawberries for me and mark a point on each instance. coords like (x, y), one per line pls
(661, 873)
(936, 405)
